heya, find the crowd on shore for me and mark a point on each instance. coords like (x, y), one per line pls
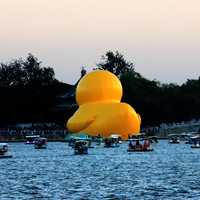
(55, 132)
(19, 134)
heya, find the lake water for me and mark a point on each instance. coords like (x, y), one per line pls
(171, 171)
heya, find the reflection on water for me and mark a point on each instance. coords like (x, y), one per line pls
(169, 172)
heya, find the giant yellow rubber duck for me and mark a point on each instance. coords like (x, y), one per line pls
(101, 112)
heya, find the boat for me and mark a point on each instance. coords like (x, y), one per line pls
(139, 145)
(73, 140)
(191, 137)
(40, 143)
(30, 139)
(80, 147)
(112, 142)
(4, 151)
(174, 139)
(196, 146)
(195, 141)
(97, 140)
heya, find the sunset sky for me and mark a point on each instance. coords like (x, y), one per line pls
(162, 38)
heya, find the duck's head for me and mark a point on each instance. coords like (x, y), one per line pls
(98, 86)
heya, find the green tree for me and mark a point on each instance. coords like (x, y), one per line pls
(115, 63)
(35, 74)
(25, 73)
(11, 74)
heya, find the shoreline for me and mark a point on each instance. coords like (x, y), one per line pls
(23, 141)
(56, 140)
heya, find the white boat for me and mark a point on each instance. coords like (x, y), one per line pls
(195, 141)
(174, 139)
(30, 139)
(4, 151)
(113, 141)
(195, 146)
(72, 140)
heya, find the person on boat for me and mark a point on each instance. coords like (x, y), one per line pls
(146, 144)
(138, 145)
(131, 146)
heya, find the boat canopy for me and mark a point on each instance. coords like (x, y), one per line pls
(80, 142)
(138, 139)
(79, 136)
(195, 137)
(32, 136)
(115, 136)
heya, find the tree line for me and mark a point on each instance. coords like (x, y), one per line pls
(29, 92)
(25, 73)
(156, 102)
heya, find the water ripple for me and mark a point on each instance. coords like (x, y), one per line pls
(169, 172)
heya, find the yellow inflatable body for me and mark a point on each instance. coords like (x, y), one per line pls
(100, 112)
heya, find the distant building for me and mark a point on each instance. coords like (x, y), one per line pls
(68, 101)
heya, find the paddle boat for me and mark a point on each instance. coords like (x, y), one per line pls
(40, 143)
(112, 141)
(195, 141)
(189, 139)
(117, 138)
(174, 139)
(80, 147)
(98, 140)
(72, 138)
(139, 145)
(4, 151)
(30, 139)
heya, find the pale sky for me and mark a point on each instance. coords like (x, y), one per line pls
(162, 37)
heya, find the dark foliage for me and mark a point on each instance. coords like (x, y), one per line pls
(25, 73)
(115, 63)
(28, 92)
(155, 102)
